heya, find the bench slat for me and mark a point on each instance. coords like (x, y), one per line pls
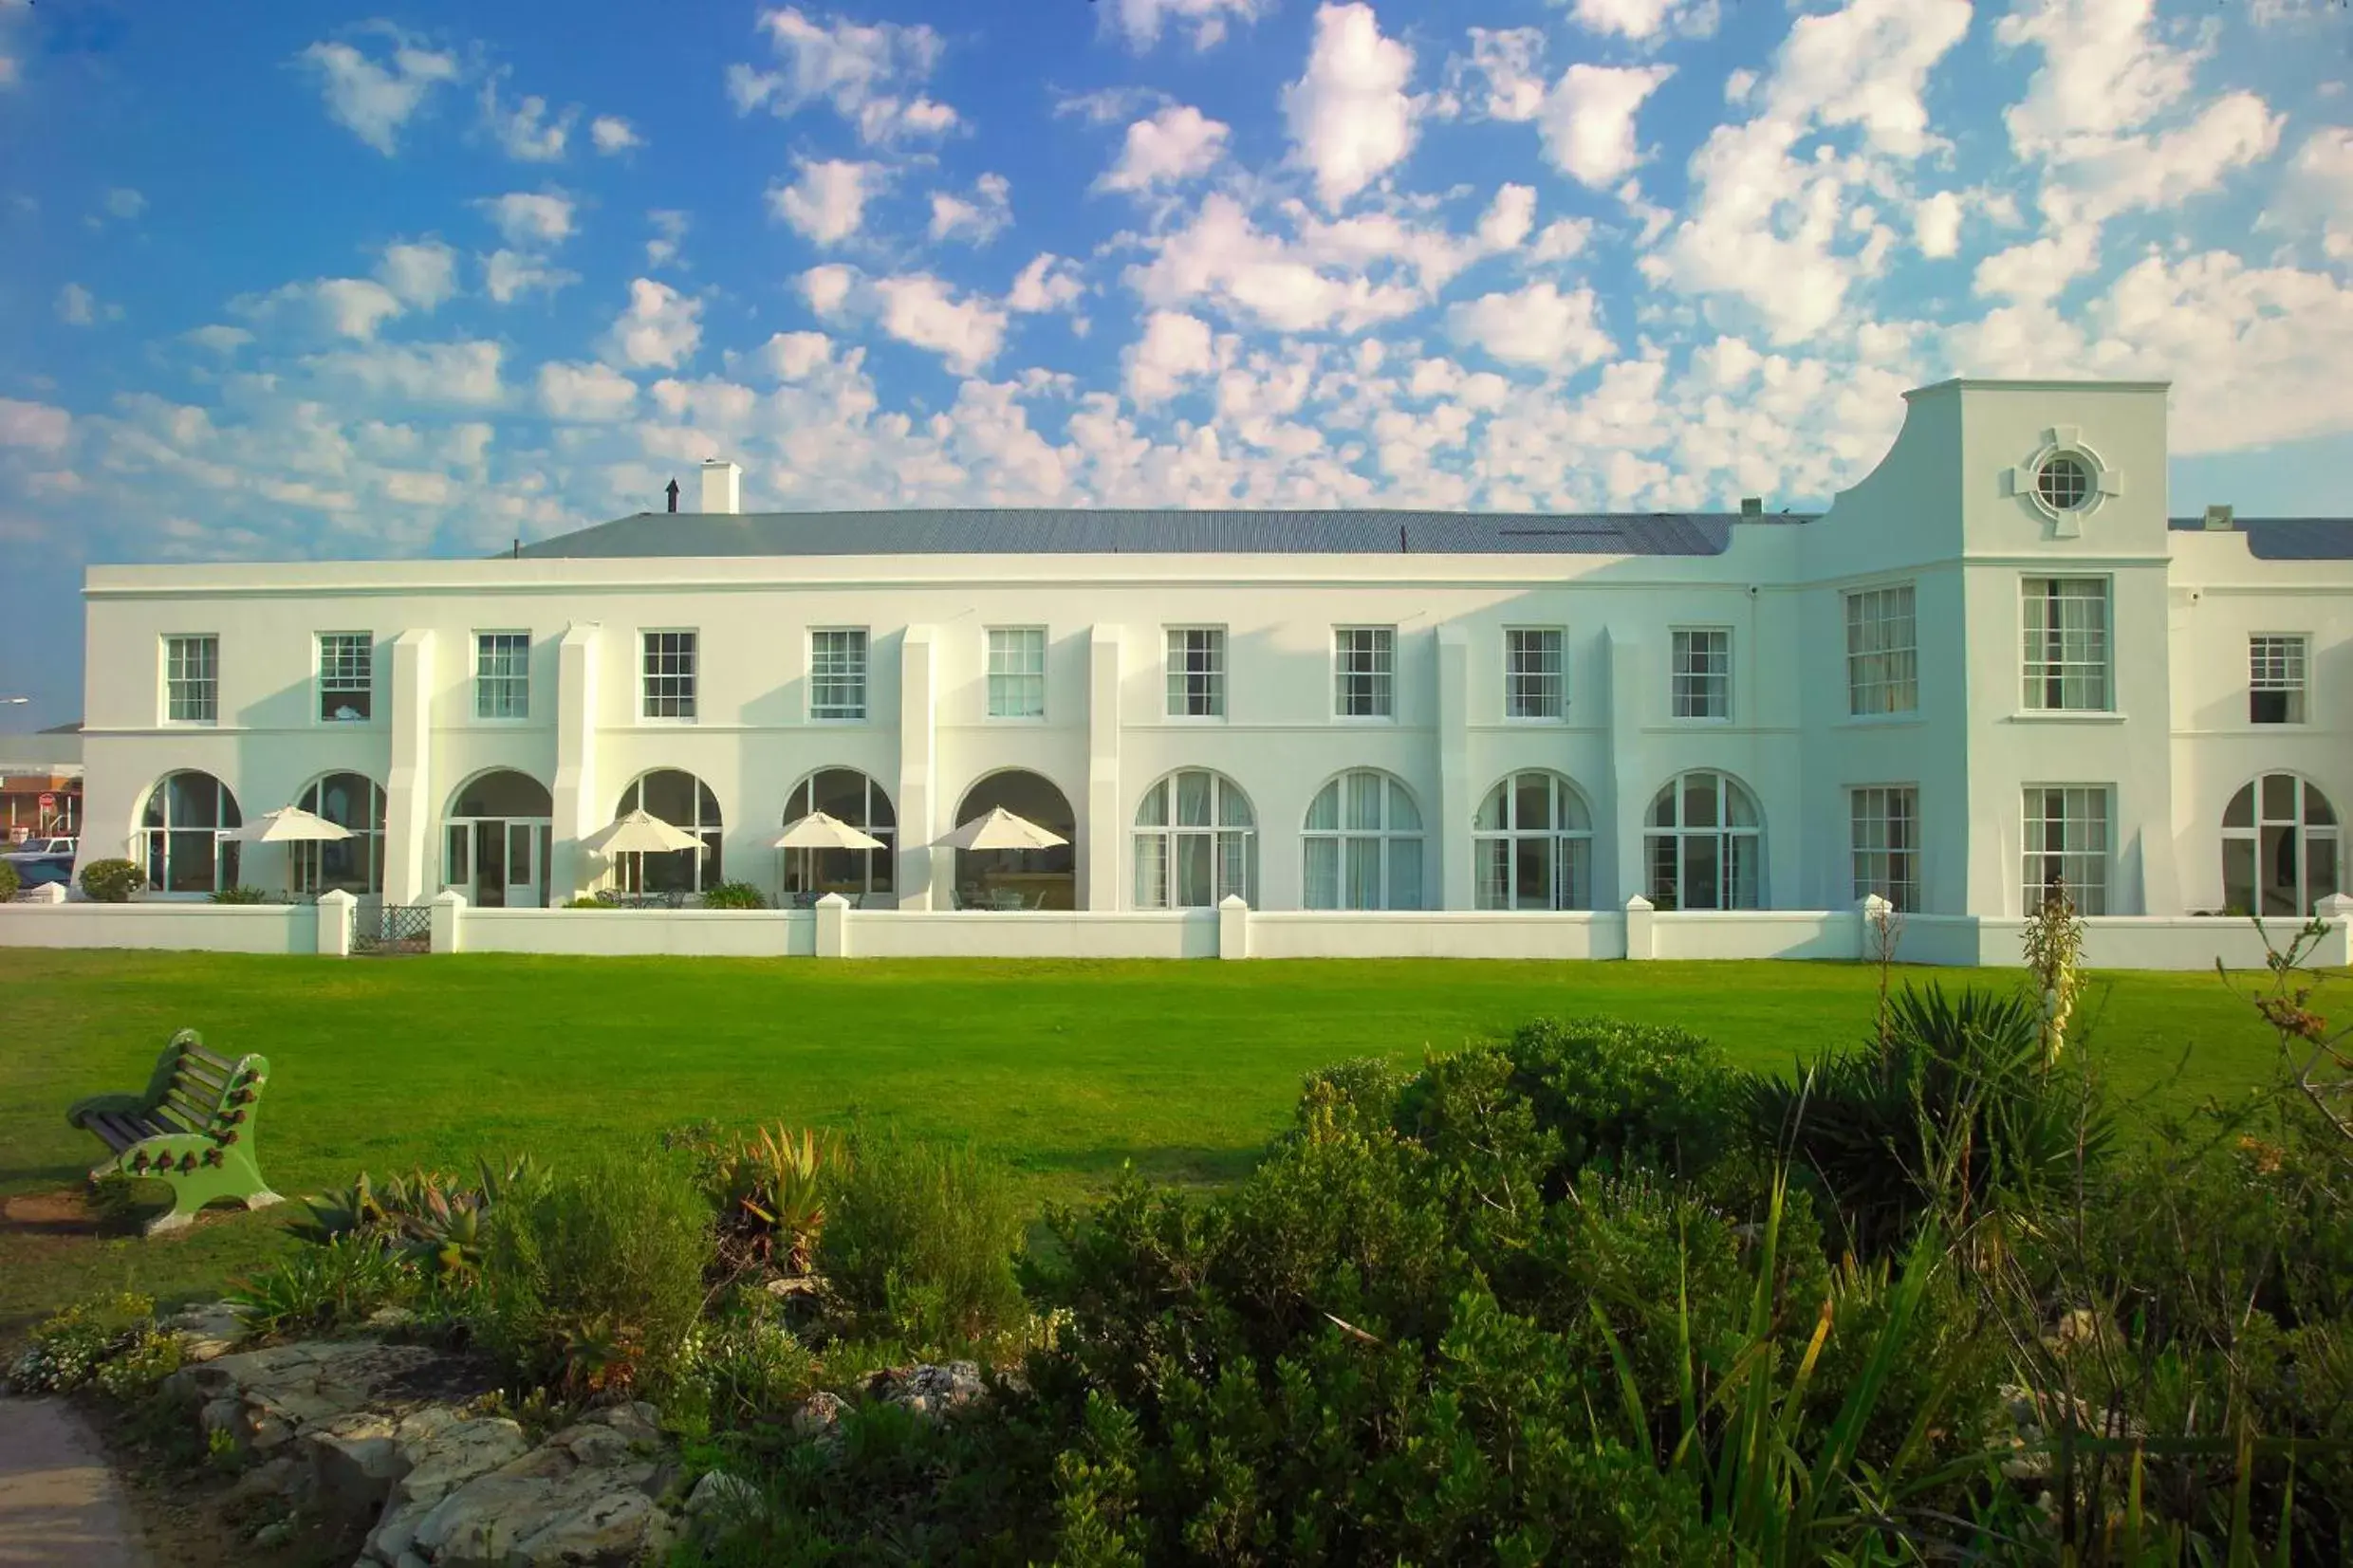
(116, 1133)
(197, 1053)
(187, 1073)
(195, 1112)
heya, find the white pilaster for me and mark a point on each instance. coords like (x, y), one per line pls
(578, 809)
(924, 877)
(1454, 725)
(1625, 672)
(409, 808)
(1100, 832)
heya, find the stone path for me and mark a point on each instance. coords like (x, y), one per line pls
(59, 1503)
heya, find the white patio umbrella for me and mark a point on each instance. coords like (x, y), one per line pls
(819, 831)
(1001, 829)
(638, 833)
(288, 825)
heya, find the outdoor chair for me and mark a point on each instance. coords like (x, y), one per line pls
(192, 1129)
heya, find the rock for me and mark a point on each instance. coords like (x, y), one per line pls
(207, 1331)
(276, 1533)
(354, 1461)
(794, 1284)
(818, 1414)
(547, 1509)
(444, 1452)
(637, 1421)
(280, 1477)
(387, 1319)
(928, 1390)
(265, 1399)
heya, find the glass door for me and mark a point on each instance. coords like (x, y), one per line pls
(525, 858)
(490, 865)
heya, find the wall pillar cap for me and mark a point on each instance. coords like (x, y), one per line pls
(450, 897)
(1639, 905)
(1233, 901)
(2336, 906)
(337, 895)
(833, 901)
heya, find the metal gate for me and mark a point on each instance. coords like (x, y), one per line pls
(392, 929)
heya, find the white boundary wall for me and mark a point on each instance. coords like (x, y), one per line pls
(835, 931)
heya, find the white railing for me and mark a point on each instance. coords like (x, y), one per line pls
(836, 929)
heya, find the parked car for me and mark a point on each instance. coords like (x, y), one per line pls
(41, 862)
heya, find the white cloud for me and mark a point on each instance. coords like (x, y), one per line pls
(978, 218)
(611, 134)
(459, 372)
(1140, 22)
(795, 355)
(1867, 64)
(1175, 347)
(375, 100)
(75, 305)
(420, 274)
(220, 339)
(508, 275)
(2097, 179)
(1588, 120)
(669, 226)
(2317, 194)
(1646, 19)
(584, 391)
(2102, 72)
(827, 288)
(1534, 326)
(1561, 239)
(125, 203)
(828, 202)
(1510, 218)
(1177, 144)
(660, 327)
(870, 75)
(1936, 225)
(531, 218)
(34, 425)
(925, 312)
(526, 132)
(1349, 116)
(1049, 283)
(1508, 63)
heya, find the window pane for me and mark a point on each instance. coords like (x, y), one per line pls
(1151, 869)
(1322, 879)
(1365, 791)
(1405, 873)
(1192, 791)
(1700, 889)
(838, 674)
(1403, 814)
(1194, 886)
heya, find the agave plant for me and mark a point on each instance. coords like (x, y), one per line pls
(770, 1188)
(354, 1210)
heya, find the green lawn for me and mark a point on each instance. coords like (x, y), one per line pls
(1065, 1069)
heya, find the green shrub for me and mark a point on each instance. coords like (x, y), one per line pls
(749, 1369)
(319, 1288)
(923, 1237)
(10, 881)
(67, 1348)
(241, 894)
(593, 1278)
(112, 881)
(733, 896)
(768, 1190)
(1962, 1112)
(589, 902)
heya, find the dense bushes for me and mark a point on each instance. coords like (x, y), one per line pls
(920, 1238)
(112, 881)
(241, 894)
(8, 881)
(593, 1275)
(733, 896)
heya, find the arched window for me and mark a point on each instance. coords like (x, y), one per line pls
(186, 816)
(1195, 843)
(356, 803)
(1364, 844)
(1532, 842)
(2279, 848)
(847, 796)
(1705, 844)
(1019, 878)
(686, 802)
(495, 840)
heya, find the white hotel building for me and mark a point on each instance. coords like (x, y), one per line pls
(1992, 661)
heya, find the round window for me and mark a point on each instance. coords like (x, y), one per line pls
(2065, 481)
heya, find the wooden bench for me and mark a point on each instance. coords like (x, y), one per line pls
(192, 1130)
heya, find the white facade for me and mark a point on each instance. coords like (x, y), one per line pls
(2151, 661)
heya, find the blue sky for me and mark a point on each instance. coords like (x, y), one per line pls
(433, 278)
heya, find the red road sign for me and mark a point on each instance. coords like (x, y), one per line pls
(48, 802)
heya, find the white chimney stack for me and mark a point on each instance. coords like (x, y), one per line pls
(723, 485)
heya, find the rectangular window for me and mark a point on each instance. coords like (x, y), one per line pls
(1197, 673)
(838, 674)
(2275, 667)
(1888, 843)
(2066, 837)
(502, 675)
(1535, 686)
(1016, 672)
(1364, 670)
(191, 679)
(669, 691)
(1882, 652)
(1703, 674)
(2066, 643)
(346, 676)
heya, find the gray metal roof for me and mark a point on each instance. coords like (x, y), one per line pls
(1048, 531)
(2286, 538)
